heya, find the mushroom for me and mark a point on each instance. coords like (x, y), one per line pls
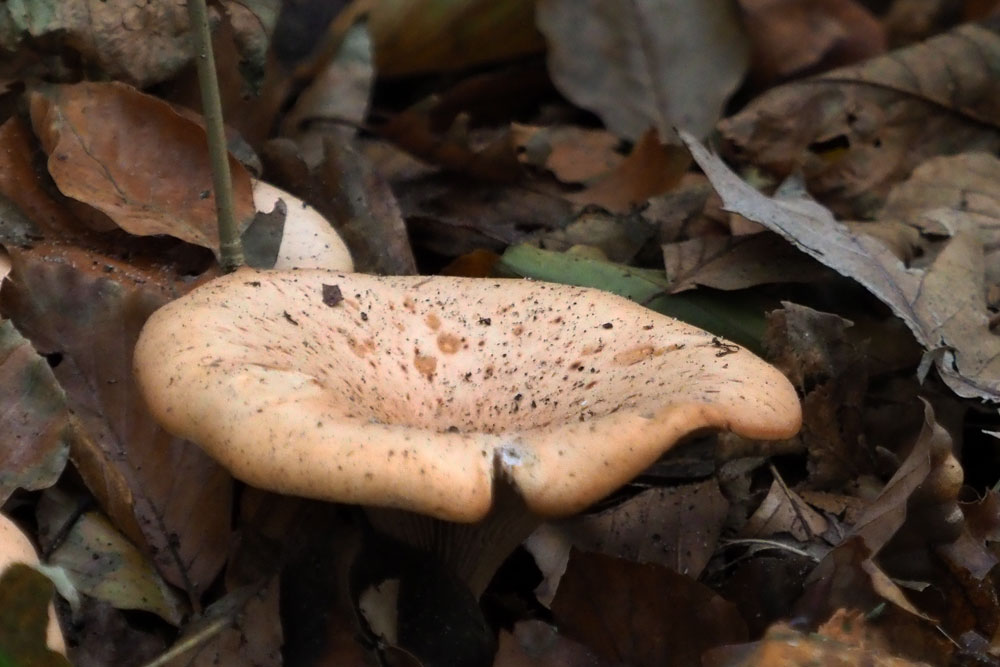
(308, 241)
(16, 548)
(440, 395)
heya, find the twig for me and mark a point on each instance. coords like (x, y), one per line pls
(188, 643)
(230, 248)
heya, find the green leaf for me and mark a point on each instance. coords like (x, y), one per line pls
(736, 316)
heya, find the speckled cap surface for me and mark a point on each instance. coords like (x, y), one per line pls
(414, 392)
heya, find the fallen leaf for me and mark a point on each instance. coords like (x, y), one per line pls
(442, 35)
(336, 100)
(89, 308)
(142, 43)
(676, 527)
(100, 562)
(791, 37)
(25, 595)
(134, 159)
(783, 511)
(662, 64)
(737, 262)
(21, 181)
(652, 168)
(856, 131)
(35, 420)
(944, 305)
(250, 632)
(641, 615)
(252, 23)
(573, 154)
(617, 237)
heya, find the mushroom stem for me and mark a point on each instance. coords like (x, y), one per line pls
(473, 552)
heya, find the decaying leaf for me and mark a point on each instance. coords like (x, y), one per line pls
(855, 131)
(134, 159)
(677, 527)
(944, 306)
(142, 43)
(642, 615)
(783, 511)
(439, 35)
(24, 617)
(100, 562)
(253, 22)
(35, 430)
(736, 262)
(165, 494)
(663, 64)
(537, 644)
(573, 154)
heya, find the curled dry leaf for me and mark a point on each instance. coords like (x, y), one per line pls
(856, 131)
(34, 422)
(134, 159)
(944, 305)
(89, 308)
(662, 64)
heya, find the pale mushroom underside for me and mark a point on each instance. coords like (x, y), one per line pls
(414, 392)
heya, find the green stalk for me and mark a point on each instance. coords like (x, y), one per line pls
(230, 248)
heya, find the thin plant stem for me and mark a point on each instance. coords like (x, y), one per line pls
(230, 247)
(189, 643)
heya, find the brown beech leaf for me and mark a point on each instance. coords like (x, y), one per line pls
(142, 43)
(789, 37)
(661, 65)
(737, 262)
(855, 131)
(34, 419)
(944, 305)
(135, 159)
(677, 527)
(651, 169)
(164, 493)
(573, 154)
(642, 615)
(21, 178)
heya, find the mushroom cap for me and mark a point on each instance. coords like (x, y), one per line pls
(16, 548)
(309, 241)
(415, 392)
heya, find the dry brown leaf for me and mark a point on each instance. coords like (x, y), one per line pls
(789, 37)
(856, 131)
(438, 35)
(651, 169)
(944, 306)
(164, 493)
(537, 644)
(21, 178)
(783, 511)
(662, 64)
(642, 615)
(135, 159)
(737, 262)
(573, 154)
(34, 420)
(677, 527)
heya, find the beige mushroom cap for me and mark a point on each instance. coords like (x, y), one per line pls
(16, 548)
(309, 240)
(413, 392)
